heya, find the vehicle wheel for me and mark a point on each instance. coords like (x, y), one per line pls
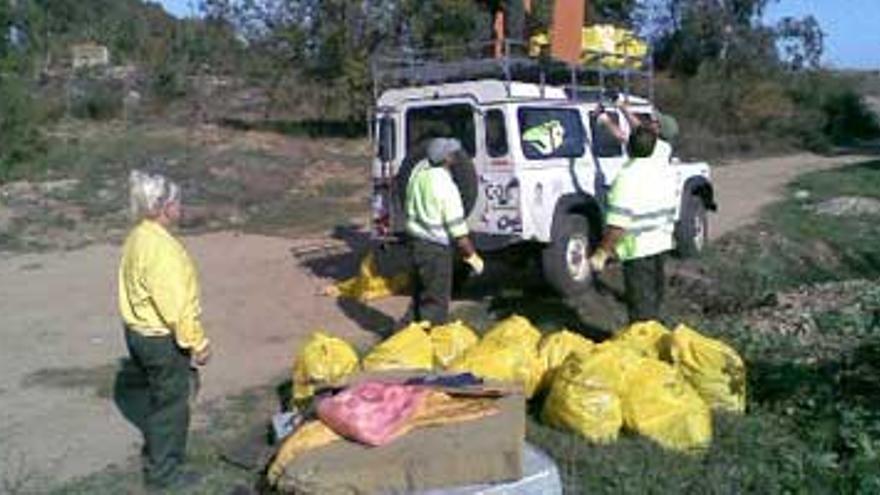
(565, 260)
(692, 229)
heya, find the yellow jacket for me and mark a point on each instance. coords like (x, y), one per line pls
(159, 287)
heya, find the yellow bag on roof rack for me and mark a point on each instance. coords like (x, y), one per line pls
(602, 45)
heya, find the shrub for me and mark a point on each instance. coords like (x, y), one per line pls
(20, 138)
(96, 99)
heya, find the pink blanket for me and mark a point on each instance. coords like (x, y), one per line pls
(373, 413)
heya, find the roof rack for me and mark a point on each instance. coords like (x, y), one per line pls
(587, 81)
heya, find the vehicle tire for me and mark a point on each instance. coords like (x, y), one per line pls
(692, 228)
(565, 260)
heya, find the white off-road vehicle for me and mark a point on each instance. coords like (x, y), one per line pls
(525, 186)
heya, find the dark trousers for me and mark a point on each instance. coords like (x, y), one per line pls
(432, 282)
(166, 369)
(644, 282)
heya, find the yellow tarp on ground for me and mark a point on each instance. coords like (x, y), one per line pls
(369, 284)
(409, 348)
(451, 341)
(556, 347)
(620, 48)
(322, 360)
(661, 405)
(715, 370)
(648, 339)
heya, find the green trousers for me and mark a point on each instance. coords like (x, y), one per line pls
(432, 282)
(166, 370)
(644, 282)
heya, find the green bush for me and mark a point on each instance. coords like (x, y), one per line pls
(20, 138)
(168, 81)
(96, 99)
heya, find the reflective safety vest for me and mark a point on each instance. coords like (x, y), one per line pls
(642, 202)
(434, 211)
(547, 137)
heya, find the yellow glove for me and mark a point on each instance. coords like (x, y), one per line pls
(598, 260)
(476, 263)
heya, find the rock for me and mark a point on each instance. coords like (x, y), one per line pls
(848, 206)
(802, 194)
(63, 186)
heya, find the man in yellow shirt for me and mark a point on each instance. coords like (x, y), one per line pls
(159, 304)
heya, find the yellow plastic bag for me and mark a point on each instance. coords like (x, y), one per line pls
(409, 348)
(612, 47)
(502, 361)
(451, 341)
(584, 394)
(648, 339)
(322, 360)
(515, 330)
(660, 404)
(712, 367)
(601, 44)
(556, 347)
(369, 284)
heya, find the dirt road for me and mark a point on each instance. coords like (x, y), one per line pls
(62, 339)
(743, 188)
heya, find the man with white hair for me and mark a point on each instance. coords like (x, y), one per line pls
(159, 305)
(435, 223)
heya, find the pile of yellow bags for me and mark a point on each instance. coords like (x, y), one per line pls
(647, 380)
(602, 44)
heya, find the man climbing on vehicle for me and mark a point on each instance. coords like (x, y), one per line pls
(435, 225)
(662, 149)
(640, 223)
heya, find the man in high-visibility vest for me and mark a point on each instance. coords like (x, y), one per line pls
(640, 222)
(435, 224)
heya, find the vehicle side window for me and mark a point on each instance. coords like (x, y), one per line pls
(387, 139)
(605, 143)
(424, 123)
(551, 133)
(496, 134)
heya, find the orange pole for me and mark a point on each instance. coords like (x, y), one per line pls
(498, 26)
(565, 36)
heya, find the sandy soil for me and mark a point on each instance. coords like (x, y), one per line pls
(62, 341)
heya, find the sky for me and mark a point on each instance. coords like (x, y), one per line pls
(852, 27)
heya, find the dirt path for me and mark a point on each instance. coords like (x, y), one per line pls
(743, 188)
(61, 338)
